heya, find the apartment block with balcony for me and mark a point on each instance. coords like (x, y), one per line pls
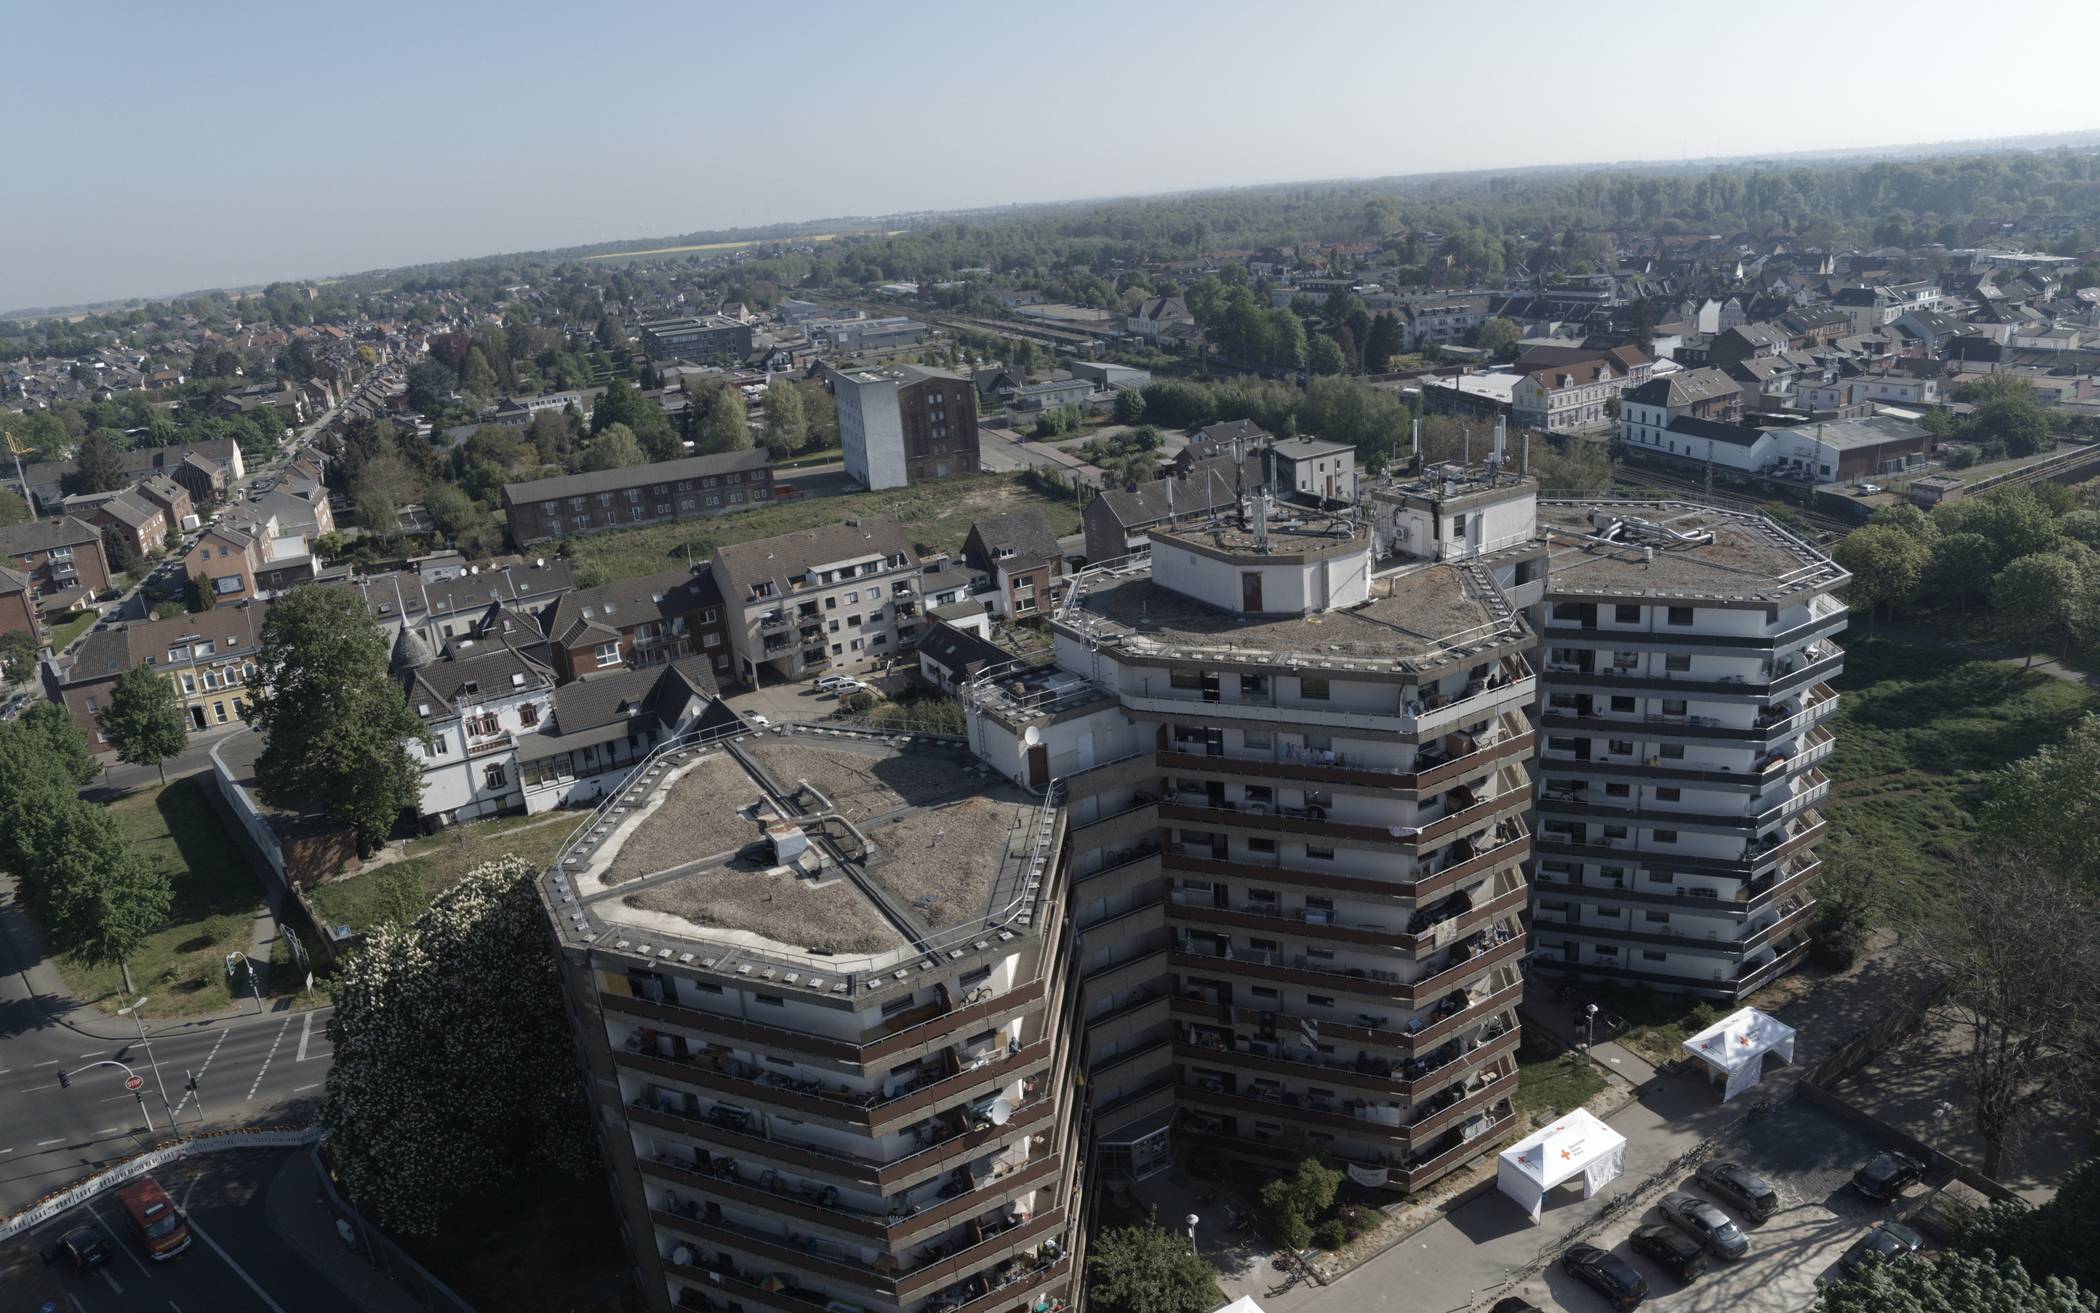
(1686, 654)
(840, 598)
(835, 1064)
(1296, 788)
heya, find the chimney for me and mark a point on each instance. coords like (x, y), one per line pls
(1525, 468)
(1501, 435)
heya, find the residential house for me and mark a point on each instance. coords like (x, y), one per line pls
(204, 469)
(454, 603)
(207, 659)
(1215, 440)
(1117, 521)
(1747, 342)
(692, 488)
(695, 337)
(124, 517)
(174, 500)
(1051, 394)
(18, 608)
(474, 705)
(644, 621)
(1313, 469)
(225, 559)
(1575, 396)
(955, 652)
(1020, 553)
(819, 600)
(602, 724)
(1157, 314)
(61, 557)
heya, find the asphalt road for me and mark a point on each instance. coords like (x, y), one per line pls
(237, 1261)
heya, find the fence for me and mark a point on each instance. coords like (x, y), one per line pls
(51, 1205)
(381, 1252)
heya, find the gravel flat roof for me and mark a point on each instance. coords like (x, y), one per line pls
(824, 916)
(1749, 558)
(701, 816)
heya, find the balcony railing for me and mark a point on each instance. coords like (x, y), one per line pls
(1373, 981)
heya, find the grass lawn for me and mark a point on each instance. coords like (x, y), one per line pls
(1552, 1086)
(217, 897)
(813, 458)
(60, 635)
(402, 889)
(1918, 731)
(936, 515)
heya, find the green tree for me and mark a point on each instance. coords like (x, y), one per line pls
(144, 720)
(1129, 406)
(430, 386)
(724, 423)
(1887, 565)
(1498, 337)
(2034, 595)
(478, 377)
(1384, 342)
(377, 513)
(335, 725)
(13, 509)
(101, 898)
(451, 510)
(2052, 1241)
(414, 1129)
(2047, 806)
(2019, 423)
(1323, 356)
(1961, 567)
(17, 656)
(62, 741)
(1148, 1269)
(1952, 1283)
(787, 427)
(98, 463)
(1291, 1204)
(614, 449)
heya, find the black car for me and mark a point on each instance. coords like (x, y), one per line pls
(1511, 1304)
(1671, 1250)
(1704, 1223)
(1750, 1194)
(1887, 1176)
(81, 1247)
(1888, 1240)
(1608, 1274)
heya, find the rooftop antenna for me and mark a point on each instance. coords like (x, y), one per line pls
(1501, 436)
(1465, 445)
(1524, 469)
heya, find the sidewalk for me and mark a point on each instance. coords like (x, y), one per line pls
(302, 1218)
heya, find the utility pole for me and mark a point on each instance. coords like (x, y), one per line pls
(136, 1020)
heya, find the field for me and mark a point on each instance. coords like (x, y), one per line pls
(937, 516)
(1555, 1085)
(61, 634)
(401, 889)
(217, 898)
(723, 246)
(1918, 731)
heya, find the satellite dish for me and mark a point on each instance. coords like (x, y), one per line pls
(1032, 736)
(1001, 1111)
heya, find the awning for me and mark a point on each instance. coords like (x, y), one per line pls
(1576, 1143)
(1736, 1046)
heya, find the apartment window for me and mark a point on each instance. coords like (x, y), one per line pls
(529, 714)
(1666, 836)
(1319, 1000)
(770, 1000)
(1258, 739)
(831, 604)
(1680, 615)
(1678, 661)
(1626, 615)
(1622, 706)
(852, 596)
(1266, 846)
(1319, 854)
(1254, 686)
(493, 776)
(1313, 689)
(901, 1003)
(1673, 751)
(1617, 791)
(1656, 918)
(218, 713)
(1619, 747)
(1650, 955)
(1673, 706)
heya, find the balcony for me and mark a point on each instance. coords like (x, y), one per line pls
(930, 1267)
(1410, 1078)
(1355, 1117)
(773, 622)
(485, 744)
(1453, 757)
(1507, 844)
(1464, 811)
(1469, 960)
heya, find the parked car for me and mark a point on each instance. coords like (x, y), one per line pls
(1887, 1175)
(162, 1229)
(1887, 1241)
(840, 684)
(1511, 1304)
(1606, 1273)
(1744, 1190)
(1671, 1250)
(785, 492)
(1704, 1223)
(82, 1248)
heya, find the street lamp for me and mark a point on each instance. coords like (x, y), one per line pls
(1191, 1221)
(147, 1044)
(1589, 1025)
(65, 1082)
(254, 987)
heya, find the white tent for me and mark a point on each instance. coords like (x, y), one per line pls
(1575, 1143)
(1735, 1046)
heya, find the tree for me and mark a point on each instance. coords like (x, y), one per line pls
(1383, 343)
(2047, 806)
(1323, 356)
(724, 423)
(1291, 1204)
(2034, 594)
(2019, 423)
(378, 513)
(123, 557)
(17, 656)
(2017, 946)
(101, 898)
(1498, 337)
(614, 449)
(98, 463)
(13, 509)
(144, 720)
(787, 428)
(413, 1127)
(1887, 565)
(62, 742)
(335, 725)
(451, 510)
(1952, 1283)
(1148, 1269)
(2054, 1240)
(429, 387)
(1130, 406)
(1961, 567)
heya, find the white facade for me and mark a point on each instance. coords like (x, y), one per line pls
(470, 765)
(871, 429)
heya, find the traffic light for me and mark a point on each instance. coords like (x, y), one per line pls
(65, 1082)
(189, 1080)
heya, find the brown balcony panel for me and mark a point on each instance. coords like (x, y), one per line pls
(1508, 853)
(746, 1199)
(1795, 920)
(1471, 919)
(1443, 1119)
(1247, 1105)
(1462, 1065)
(1415, 993)
(716, 1138)
(1421, 1174)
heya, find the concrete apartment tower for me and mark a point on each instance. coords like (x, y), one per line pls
(1296, 785)
(905, 424)
(834, 1066)
(1686, 659)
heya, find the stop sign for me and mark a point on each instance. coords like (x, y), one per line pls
(134, 1082)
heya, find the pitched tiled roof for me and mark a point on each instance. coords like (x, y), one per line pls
(1027, 533)
(789, 556)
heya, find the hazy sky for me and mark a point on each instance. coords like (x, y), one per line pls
(157, 148)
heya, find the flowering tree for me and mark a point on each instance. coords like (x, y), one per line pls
(454, 1067)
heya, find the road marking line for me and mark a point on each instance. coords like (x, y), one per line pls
(82, 1308)
(301, 1089)
(6, 1150)
(265, 1067)
(306, 1030)
(60, 1140)
(96, 1054)
(177, 1307)
(110, 1130)
(204, 1067)
(52, 1063)
(238, 1270)
(119, 1242)
(112, 1280)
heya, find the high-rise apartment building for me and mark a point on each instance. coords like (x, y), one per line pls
(1296, 789)
(905, 424)
(835, 1063)
(1686, 654)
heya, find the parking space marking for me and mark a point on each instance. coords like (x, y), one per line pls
(82, 1308)
(41, 1144)
(270, 1055)
(238, 1270)
(52, 1063)
(112, 1280)
(306, 1030)
(119, 1241)
(301, 1089)
(109, 1130)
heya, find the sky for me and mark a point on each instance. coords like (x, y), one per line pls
(154, 148)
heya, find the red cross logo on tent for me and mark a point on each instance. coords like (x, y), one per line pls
(1565, 1154)
(1744, 1041)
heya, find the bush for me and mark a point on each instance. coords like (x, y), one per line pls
(1331, 1234)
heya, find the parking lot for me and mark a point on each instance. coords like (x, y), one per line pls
(1809, 1157)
